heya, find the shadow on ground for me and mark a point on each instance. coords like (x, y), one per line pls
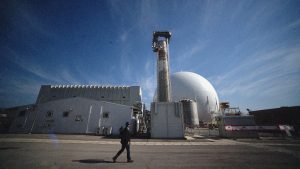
(9, 148)
(93, 161)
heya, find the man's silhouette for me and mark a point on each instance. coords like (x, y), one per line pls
(125, 141)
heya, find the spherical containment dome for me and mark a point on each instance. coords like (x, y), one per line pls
(188, 85)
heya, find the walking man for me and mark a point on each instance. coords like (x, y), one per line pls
(125, 141)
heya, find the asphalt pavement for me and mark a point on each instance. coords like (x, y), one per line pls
(89, 152)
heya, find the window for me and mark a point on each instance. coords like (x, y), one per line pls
(22, 113)
(66, 114)
(106, 115)
(49, 114)
(78, 118)
(50, 120)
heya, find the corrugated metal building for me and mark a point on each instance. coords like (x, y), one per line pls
(73, 116)
(78, 109)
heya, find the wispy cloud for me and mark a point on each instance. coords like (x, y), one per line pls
(125, 69)
(146, 78)
(18, 91)
(125, 33)
(294, 24)
(140, 15)
(60, 76)
(271, 73)
(66, 76)
(148, 85)
(191, 50)
(27, 65)
(33, 22)
(248, 48)
(26, 84)
(124, 36)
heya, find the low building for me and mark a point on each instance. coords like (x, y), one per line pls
(278, 116)
(8, 117)
(73, 116)
(237, 126)
(80, 109)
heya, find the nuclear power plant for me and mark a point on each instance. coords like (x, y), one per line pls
(182, 100)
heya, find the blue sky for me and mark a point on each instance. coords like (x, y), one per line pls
(249, 50)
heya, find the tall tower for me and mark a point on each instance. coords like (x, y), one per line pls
(160, 44)
(166, 116)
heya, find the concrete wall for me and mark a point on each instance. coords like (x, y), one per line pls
(167, 120)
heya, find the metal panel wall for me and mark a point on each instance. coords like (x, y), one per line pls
(167, 120)
(115, 94)
(85, 116)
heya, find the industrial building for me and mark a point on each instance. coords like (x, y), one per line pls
(80, 109)
(8, 116)
(278, 116)
(237, 126)
(73, 116)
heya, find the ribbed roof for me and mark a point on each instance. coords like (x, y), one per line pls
(89, 86)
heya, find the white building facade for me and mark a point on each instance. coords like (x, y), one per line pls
(79, 109)
(74, 116)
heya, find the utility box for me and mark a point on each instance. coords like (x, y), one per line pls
(167, 120)
(237, 126)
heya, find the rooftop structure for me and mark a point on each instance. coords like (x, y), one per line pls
(126, 95)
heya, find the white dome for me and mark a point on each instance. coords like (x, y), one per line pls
(188, 85)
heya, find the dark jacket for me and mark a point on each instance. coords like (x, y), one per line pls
(125, 136)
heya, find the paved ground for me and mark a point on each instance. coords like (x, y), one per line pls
(69, 151)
